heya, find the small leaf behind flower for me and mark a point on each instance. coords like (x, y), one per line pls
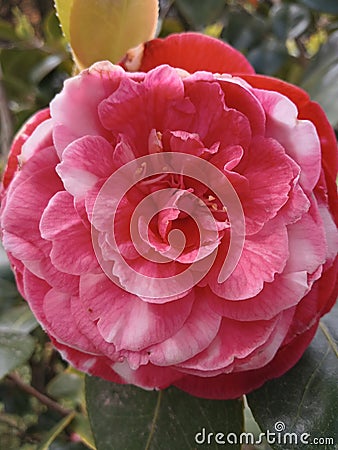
(105, 29)
(128, 417)
(15, 350)
(63, 9)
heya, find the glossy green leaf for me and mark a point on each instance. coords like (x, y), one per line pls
(268, 57)
(305, 399)
(321, 78)
(243, 30)
(65, 385)
(328, 6)
(47, 65)
(289, 21)
(18, 319)
(200, 12)
(81, 427)
(52, 30)
(63, 9)
(133, 419)
(55, 431)
(106, 30)
(15, 350)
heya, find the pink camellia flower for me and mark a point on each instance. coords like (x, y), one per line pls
(175, 225)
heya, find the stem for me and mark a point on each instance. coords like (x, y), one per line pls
(38, 395)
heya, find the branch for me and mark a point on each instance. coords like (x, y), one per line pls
(38, 395)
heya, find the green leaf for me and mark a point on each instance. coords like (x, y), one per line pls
(23, 28)
(7, 32)
(51, 30)
(107, 30)
(18, 319)
(47, 65)
(289, 21)
(65, 385)
(328, 6)
(128, 417)
(305, 399)
(321, 78)
(244, 31)
(200, 12)
(55, 431)
(15, 350)
(63, 9)
(269, 57)
(81, 427)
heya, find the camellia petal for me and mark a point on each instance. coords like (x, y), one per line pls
(192, 52)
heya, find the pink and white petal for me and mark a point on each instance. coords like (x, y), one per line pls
(234, 340)
(264, 255)
(99, 366)
(21, 215)
(236, 132)
(42, 160)
(205, 96)
(84, 162)
(297, 205)
(234, 385)
(135, 109)
(284, 292)
(194, 336)
(21, 137)
(84, 322)
(28, 199)
(227, 159)
(35, 291)
(72, 249)
(267, 194)
(148, 376)
(240, 97)
(38, 140)
(262, 355)
(31, 253)
(76, 107)
(298, 137)
(59, 280)
(40, 264)
(125, 320)
(61, 324)
(123, 113)
(331, 233)
(315, 304)
(151, 281)
(307, 243)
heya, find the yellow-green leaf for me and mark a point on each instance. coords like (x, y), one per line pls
(55, 431)
(63, 8)
(107, 29)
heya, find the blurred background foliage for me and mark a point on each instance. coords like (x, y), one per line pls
(42, 399)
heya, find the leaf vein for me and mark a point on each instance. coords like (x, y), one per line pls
(153, 423)
(329, 338)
